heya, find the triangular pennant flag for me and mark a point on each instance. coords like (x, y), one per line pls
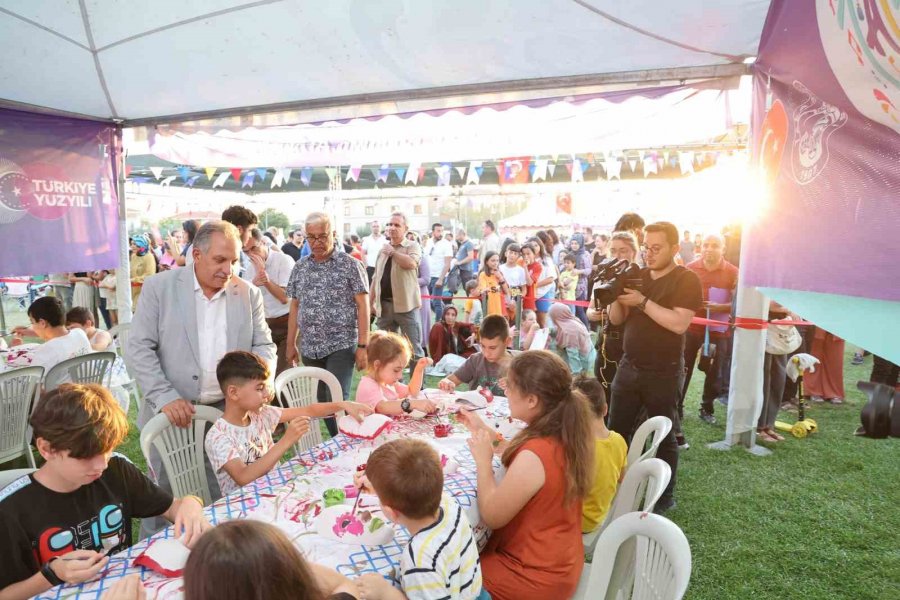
(569, 168)
(236, 174)
(412, 173)
(383, 173)
(649, 166)
(400, 172)
(261, 173)
(632, 164)
(661, 163)
(421, 174)
(613, 168)
(157, 172)
(443, 173)
(666, 155)
(285, 174)
(331, 172)
(248, 179)
(210, 171)
(474, 175)
(643, 153)
(531, 168)
(220, 180)
(499, 168)
(585, 165)
(551, 168)
(353, 173)
(167, 180)
(375, 173)
(577, 171)
(277, 179)
(686, 162)
(699, 157)
(540, 170)
(305, 176)
(191, 181)
(461, 171)
(184, 172)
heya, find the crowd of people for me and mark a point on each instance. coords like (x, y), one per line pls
(224, 307)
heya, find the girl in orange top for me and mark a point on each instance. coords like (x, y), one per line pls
(535, 552)
(492, 283)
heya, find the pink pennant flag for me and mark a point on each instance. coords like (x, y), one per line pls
(353, 173)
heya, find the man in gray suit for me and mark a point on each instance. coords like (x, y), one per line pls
(186, 321)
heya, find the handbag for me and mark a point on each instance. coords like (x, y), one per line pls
(782, 339)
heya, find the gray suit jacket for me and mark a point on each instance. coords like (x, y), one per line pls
(163, 346)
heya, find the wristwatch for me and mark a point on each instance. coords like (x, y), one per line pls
(362, 346)
(643, 304)
(406, 406)
(49, 574)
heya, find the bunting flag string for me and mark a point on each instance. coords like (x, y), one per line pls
(540, 169)
(383, 173)
(443, 172)
(261, 173)
(236, 174)
(332, 172)
(400, 172)
(353, 173)
(305, 176)
(184, 172)
(649, 166)
(248, 179)
(551, 167)
(167, 181)
(374, 171)
(632, 164)
(281, 177)
(577, 170)
(210, 171)
(461, 171)
(191, 181)
(157, 172)
(613, 168)
(686, 162)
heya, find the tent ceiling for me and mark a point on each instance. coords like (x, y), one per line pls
(172, 59)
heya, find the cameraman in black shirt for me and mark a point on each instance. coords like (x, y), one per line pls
(655, 320)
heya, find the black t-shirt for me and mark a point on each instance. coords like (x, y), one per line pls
(387, 292)
(649, 345)
(291, 250)
(37, 524)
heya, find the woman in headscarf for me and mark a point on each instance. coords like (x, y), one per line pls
(573, 342)
(142, 265)
(449, 336)
(583, 269)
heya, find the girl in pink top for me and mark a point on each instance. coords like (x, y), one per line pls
(381, 388)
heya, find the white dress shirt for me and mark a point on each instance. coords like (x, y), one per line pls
(212, 325)
(278, 269)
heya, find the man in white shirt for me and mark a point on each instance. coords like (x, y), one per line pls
(491, 241)
(439, 253)
(371, 246)
(187, 319)
(270, 271)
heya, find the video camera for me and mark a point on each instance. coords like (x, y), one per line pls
(611, 277)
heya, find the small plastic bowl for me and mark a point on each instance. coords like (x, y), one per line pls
(442, 430)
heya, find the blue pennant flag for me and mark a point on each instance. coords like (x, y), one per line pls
(185, 172)
(400, 173)
(305, 175)
(191, 181)
(261, 173)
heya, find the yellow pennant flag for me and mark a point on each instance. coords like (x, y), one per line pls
(210, 171)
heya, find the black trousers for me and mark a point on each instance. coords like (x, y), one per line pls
(712, 382)
(656, 392)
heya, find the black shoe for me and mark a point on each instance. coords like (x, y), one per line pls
(664, 505)
(681, 441)
(707, 417)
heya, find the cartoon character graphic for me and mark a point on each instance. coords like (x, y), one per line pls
(104, 532)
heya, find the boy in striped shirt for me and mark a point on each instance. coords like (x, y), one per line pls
(441, 561)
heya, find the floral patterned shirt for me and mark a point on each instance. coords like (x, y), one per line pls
(327, 290)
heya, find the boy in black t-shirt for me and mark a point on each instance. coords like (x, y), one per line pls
(59, 524)
(655, 318)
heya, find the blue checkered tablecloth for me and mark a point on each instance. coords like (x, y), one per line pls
(300, 476)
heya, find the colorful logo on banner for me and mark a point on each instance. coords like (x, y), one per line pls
(41, 190)
(861, 41)
(56, 193)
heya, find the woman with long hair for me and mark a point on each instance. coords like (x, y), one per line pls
(449, 336)
(535, 551)
(622, 246)
(583, 269)
(190, 228)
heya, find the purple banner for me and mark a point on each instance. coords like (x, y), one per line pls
(58, 209)
(826, 125)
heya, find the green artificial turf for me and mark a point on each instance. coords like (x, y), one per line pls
(819, 518)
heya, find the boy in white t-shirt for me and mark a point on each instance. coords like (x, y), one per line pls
(240, 445)
(48, 322)
(515, 278)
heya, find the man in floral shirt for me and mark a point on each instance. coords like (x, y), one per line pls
(329, 294)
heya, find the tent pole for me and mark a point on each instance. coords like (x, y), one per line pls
(123, 273)
(745, 395)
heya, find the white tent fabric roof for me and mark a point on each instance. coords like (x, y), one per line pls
(175, 58)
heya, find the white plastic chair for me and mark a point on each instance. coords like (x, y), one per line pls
(659, 427)
(641, 556)
(640, 490)
(87, 368)
(299, 386)
(120, 335)
(182, 450)
(7, 477)
(18, 389)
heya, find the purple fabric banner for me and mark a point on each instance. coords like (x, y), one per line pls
(58, 209)
(826, 125)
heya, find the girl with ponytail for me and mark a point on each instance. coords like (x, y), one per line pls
(535, 551)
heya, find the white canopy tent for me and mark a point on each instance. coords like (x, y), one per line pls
(174, 60)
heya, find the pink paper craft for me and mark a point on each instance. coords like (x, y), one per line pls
(371, 427)
(164, 556)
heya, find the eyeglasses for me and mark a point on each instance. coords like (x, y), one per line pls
(654, 249)
(318, 239)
